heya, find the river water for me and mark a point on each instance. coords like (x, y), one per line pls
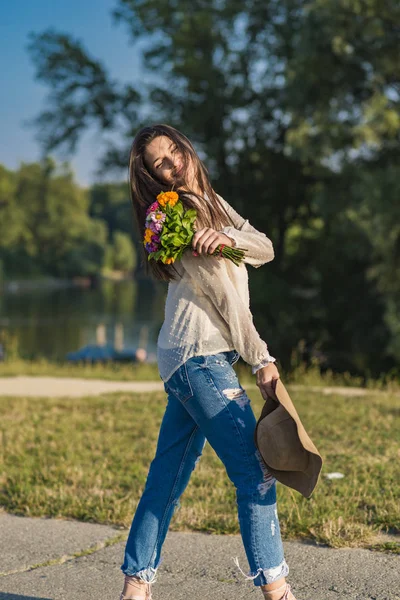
(48, 322)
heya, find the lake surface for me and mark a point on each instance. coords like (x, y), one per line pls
(48, 322)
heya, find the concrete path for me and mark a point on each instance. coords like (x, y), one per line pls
(74, 387)
(57, 387)
(51, 559)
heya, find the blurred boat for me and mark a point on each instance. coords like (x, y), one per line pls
(107, 352)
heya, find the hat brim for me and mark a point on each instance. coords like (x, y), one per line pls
(284, 444)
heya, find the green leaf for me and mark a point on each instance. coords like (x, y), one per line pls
(191, 214)
(180, 252)
(187, 223)
(177, 241)
(179, 208)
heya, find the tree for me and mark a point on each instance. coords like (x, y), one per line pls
(110, 202)
(45, 224)
(122, 255)
(285, 100)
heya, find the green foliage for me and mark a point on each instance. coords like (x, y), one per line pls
(123, 253)
(50, 229)
(11, 221)
(110, 202)
(46, 227)
(377, 214)
(295, 108)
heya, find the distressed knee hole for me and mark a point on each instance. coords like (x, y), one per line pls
(268, 478)
(233, 393)
(238, 395)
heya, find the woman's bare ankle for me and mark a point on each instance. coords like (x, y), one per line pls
(275, 590)
(132, 582)
(268, 587)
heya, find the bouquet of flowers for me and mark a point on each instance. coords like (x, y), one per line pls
(169, 231)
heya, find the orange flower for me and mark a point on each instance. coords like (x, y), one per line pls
(170, 198)
(147, 235)
(168, 261)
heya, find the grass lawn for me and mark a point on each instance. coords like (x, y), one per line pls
(87, 459)
(110, 371)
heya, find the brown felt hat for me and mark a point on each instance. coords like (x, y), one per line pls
(284, 444)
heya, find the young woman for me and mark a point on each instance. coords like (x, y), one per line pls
(208, 326)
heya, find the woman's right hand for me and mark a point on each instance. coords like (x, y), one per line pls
(207, 240)
(266, 379)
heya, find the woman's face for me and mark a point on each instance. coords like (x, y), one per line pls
(164, 161)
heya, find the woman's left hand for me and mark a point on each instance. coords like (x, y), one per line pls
(207, 240)
(266, 378)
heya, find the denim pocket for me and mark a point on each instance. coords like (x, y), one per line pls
(179, 385)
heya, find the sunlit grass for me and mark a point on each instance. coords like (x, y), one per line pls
(118, 371)
(87, 459)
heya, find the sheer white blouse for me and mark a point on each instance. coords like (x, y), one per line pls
(208, 310)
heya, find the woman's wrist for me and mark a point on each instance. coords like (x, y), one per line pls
(230, 241)
(264, 363)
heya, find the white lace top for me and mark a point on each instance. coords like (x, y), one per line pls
(208, 310)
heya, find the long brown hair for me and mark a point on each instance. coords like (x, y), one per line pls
(144, 188)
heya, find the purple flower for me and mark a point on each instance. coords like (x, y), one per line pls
(151, 225)
(158, 226)
(153, 247)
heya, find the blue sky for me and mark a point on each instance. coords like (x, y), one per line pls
(22, 98)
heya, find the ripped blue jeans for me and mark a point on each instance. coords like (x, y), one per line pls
(207, 402)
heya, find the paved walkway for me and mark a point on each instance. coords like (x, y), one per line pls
(52, 559)
(58, 387)
(71, 386)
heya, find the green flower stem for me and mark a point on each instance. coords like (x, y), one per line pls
(236, 255)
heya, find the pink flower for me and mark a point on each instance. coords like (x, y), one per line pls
(152, 207)
(158, 216)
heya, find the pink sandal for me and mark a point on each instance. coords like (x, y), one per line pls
(276, 594)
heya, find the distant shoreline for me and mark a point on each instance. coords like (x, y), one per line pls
(54, 283)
